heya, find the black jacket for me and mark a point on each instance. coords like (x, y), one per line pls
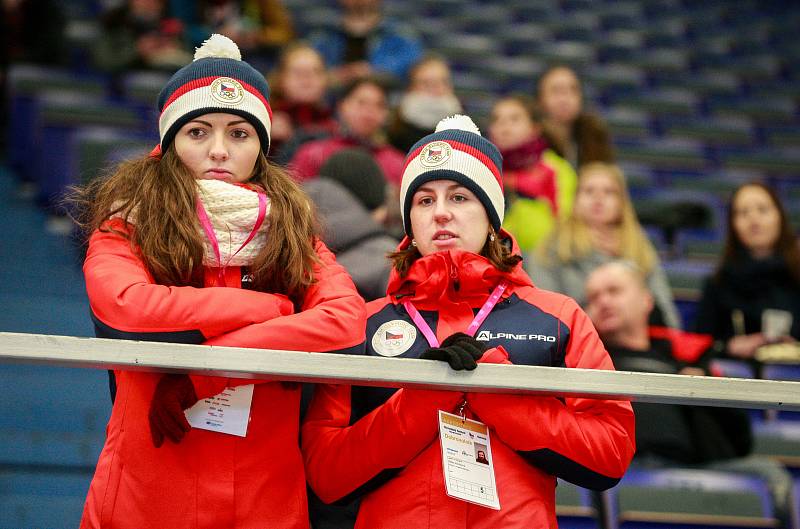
(750, 286)
(683, 434)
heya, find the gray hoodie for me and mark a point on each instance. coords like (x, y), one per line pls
(348, 229)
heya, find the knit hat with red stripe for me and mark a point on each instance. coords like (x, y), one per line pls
(218, 80)
(456, 151)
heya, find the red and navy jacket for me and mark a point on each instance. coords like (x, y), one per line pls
(381, 445)
(209, 479)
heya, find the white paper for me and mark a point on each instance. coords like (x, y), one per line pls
(467, 460)
(776, 323)
(228, 412)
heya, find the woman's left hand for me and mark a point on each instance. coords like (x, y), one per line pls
(460, 350)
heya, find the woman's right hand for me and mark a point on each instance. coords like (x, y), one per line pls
(285, 305)
(744, 346)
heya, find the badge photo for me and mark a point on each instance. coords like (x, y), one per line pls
(227, 90)
(394, 338)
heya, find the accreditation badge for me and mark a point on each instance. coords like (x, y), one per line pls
(467, 460)
(228, 412)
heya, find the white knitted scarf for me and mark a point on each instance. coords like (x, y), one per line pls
(233, 211)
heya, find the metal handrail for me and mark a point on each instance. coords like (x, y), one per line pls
(266, 364)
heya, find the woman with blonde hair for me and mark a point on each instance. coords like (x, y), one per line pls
(603, 226)
(205, 242)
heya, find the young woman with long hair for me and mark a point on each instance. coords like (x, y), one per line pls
(757, 281)
(603, 227)
(205, 242)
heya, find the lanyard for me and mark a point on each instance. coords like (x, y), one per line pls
(209, 229)
(426, 330)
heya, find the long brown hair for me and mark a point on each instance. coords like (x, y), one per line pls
(496, 251)
(158, 198)
(786, 247)
(589, 132)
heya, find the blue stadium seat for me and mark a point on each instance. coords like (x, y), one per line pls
(575, 508)
(682, 498)
(781, 372)
(727, 367)
(42, 498)
(778, 438)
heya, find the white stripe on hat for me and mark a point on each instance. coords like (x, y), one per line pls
(465, 164)
(201, 98)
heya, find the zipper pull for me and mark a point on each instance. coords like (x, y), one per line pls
(453, 274)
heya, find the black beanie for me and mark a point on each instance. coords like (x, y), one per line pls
(358, 172)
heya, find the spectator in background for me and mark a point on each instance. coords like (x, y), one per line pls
(428, 99)
(140, 35)
(300, 111)
(539, 183)
(754, 297)
(32, 31)
(584, 135)
(259, 27)
(603, 226)
(669, 435)
(366, 43)
(350, 195)
(28, 36)
(362, 113)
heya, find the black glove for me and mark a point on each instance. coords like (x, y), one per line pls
(460, 350)
(173, 394)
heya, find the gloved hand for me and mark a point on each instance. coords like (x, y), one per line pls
(173, 394)
(460, 350)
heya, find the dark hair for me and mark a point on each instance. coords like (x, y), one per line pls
(536, 115)
(786, 246)
(589, 132)
(355, 84)
(497, 251)
(549, 70)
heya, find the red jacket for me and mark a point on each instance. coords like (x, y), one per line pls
(310, 158)
(209, 480)
(381, 445)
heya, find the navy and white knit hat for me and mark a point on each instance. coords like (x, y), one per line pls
(218, 80)
(456, 151)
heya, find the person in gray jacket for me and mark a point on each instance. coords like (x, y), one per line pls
(602, 227)
(350, 195)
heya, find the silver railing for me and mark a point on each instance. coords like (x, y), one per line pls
(269, 364)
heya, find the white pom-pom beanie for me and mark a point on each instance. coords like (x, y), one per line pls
(456, 151)
(218, 80)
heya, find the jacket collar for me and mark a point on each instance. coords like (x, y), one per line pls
(453, 276)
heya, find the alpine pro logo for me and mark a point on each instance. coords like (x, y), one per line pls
(485, 336)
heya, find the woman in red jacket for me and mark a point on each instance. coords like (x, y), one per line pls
(458, 293)
(205, 242)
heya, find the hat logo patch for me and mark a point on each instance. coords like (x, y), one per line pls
(435, 153)
(394, 338)
(227, 90)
